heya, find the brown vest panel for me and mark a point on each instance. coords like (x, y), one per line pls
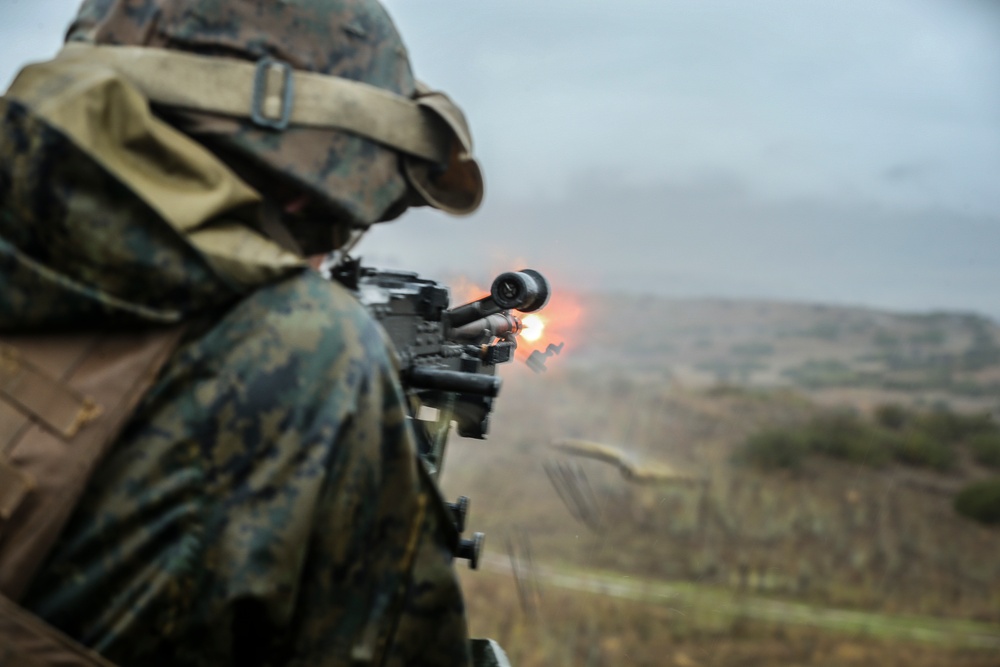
(63, 401)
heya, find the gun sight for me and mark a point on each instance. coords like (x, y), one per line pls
(526, 291)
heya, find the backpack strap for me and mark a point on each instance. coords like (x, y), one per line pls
(63, 401)
(28, 641)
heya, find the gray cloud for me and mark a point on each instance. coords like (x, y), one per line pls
(664, 89)
(715, 238)
(31, 30)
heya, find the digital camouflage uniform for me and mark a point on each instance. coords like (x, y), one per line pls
(265, 505)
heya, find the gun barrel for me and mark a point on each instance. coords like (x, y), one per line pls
(470, 312)
(454, 381)
(496, 325)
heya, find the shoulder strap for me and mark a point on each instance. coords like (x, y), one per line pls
(63, 401)
(28, 641)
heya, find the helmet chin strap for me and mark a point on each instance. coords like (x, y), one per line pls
(354, 239)
(269, 222)
(336, 258)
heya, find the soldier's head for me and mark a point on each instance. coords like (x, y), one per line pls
(318, 175)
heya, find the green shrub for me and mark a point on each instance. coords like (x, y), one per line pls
(774, 449)
(819, 373)
(986, 448)
(919, 448)
(886, 339)
(925, 439)
(929, 337)
(980, 501)
(892, 416)
(949, 426)
(845, 436)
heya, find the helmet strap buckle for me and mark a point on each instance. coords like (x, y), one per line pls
(273, 90)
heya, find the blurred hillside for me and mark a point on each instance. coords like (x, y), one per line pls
(836, 353)
(749, 566)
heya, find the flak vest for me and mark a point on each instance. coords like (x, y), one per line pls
(64, 399)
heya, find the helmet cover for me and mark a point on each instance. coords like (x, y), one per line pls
(354, 180)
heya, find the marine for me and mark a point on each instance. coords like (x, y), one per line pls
(263, 504)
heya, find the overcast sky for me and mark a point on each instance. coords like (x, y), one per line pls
(821, 150)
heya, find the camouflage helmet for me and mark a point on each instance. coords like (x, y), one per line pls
(354, 180)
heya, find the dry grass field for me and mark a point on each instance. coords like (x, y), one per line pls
(833, 562)
(579, 629)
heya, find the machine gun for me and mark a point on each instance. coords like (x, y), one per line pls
(448, 359)
(448, 356)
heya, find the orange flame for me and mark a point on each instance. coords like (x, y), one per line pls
(554, 324)
(534, 327)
